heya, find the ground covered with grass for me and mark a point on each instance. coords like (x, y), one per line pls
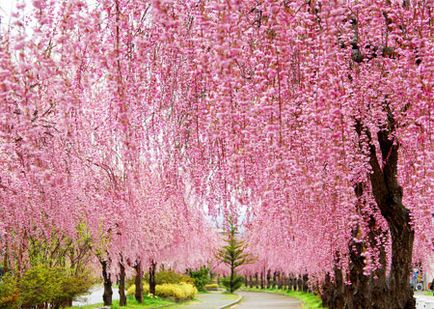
(310, 300)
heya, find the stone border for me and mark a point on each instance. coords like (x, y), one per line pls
(232, 303)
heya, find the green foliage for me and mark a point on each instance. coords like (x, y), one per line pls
(232, 284)
(234, 255)
(177, 291)
(42, 285)
(9, 292)
(169, 276)
(200, 277)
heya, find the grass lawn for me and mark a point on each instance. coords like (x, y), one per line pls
(310, 301)
(148, 302)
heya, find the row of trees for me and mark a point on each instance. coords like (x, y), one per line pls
(316, 117)
(311, 120)
(80, 153)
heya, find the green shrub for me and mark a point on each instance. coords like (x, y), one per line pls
(43, 285)
(233, 285)
(178, 291)
(200, 277)
(181, 291)
(132, 289)
(169, 276)
(9, 292)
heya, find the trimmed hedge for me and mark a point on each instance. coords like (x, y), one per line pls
(178, 291)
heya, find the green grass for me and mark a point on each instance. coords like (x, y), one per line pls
(310, 301)
(148, 302)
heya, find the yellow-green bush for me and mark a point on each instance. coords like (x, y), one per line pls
(132, 289)
(181, 291)
(211, 286)
(178, 291)
(41, 285)
(9, 292)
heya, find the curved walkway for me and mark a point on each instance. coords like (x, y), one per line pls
(210, 300)
(266, 300)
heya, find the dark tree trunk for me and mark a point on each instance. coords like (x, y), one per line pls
(152, 283)
(299, 283)
(327, 288)
(339, 290)
(256, 280)
(274, 283)
(305, 283)
(138, 282)
(388, 196)
(293, 283)
(269, 279)
(280, 280)
(122, 296)
(108, 292)
(262, 280)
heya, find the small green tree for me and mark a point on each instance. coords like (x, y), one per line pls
(233, 254)
(200, 277)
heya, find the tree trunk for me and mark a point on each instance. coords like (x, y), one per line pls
(262, 280)
(152, 282)
(122, 296)
(327, 288)
(388, 196)
(305, 283)
(338, 291)
(256, 280)
(108, 292)
(269, 279)
(138, 281)
(299, 283)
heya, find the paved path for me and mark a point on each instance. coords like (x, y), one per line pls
(424, 301)
(211, 300)
(94, 296)
(253, 300)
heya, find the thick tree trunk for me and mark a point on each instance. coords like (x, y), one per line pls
(138, 281)
(305, 283)
(122, 296)
(327, 288)
(262, 280)
(388, 196)
(152, 282)
(108, 292)
(339, 290)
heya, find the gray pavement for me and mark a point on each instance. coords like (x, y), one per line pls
(211, 300)
(253, 300)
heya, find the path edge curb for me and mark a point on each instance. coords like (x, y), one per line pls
(232, 303)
